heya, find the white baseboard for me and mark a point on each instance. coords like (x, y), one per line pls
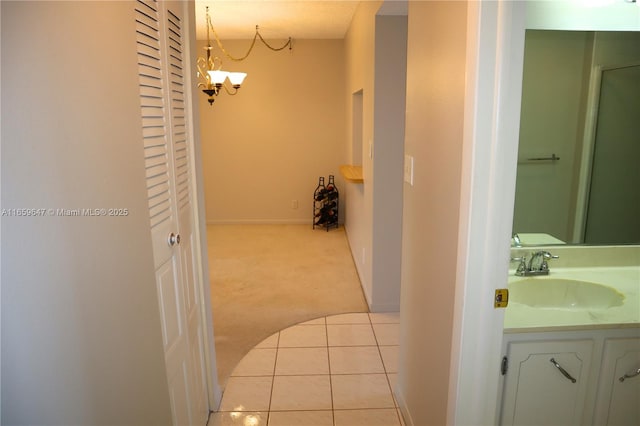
(259, 222)
(383, 307)
(402, 405)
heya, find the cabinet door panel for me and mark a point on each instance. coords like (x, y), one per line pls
(536, 392)
(618, 402)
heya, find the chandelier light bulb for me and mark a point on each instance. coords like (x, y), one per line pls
(236, 78)
(217, 76)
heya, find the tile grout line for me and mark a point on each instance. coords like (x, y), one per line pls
(327, 347)
(386, 374)
(273, 379)
(333, 411)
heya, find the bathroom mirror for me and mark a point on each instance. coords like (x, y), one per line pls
(578, 174)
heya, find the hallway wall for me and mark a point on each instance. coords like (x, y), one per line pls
(389, 125)
(81, 333)
(267, 145)
(434, 137)
(376, 67)
(360, 65)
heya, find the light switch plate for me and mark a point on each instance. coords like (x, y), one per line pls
(408, 169)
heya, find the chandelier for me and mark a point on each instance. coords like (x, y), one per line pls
(210, 67)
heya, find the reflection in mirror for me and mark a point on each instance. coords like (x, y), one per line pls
(578, 178)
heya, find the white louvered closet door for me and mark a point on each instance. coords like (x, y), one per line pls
(182, 162)
(159, 28)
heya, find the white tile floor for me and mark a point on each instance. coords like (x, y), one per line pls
(333, 371)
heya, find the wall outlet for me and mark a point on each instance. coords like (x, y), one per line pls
(294, 204)
(408, 169)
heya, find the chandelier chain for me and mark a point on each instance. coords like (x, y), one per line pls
(256, 36)
(210, 67)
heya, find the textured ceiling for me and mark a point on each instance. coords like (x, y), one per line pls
(300, 19)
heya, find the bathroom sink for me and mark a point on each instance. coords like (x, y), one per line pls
(558, 293)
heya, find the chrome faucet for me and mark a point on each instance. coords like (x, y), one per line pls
(537, 265)
(516, 240)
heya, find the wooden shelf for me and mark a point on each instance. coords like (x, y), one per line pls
(352, 173)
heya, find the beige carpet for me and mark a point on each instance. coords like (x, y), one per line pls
(268, 277)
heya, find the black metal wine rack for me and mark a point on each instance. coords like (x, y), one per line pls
(326, 204)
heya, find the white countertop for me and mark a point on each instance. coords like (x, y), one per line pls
(625, 279)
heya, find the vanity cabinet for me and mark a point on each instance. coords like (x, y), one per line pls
(535, 390)
(546, 382)
(618, 397)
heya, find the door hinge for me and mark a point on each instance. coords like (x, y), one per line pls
(504, 365)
